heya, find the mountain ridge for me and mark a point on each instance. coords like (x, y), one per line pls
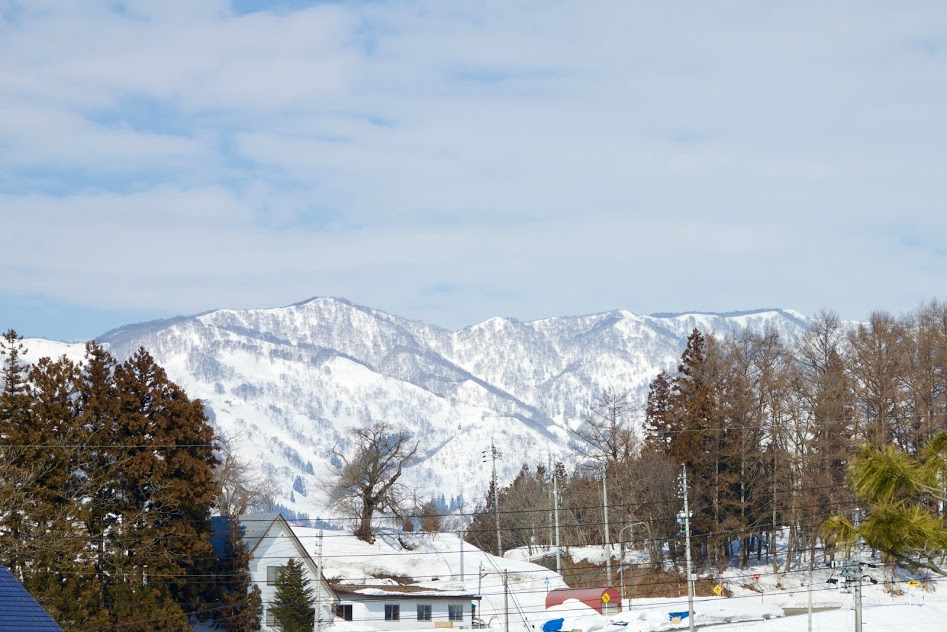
(287, 384)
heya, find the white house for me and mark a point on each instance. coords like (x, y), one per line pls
(390, 607)
(271, 543)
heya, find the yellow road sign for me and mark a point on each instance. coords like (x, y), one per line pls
(914, 583)
(606, 598)
(718, 590)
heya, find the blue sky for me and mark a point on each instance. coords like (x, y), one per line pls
(455, 161)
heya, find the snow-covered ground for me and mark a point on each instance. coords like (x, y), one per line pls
(434, 561)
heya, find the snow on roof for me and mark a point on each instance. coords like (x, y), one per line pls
(401, 591)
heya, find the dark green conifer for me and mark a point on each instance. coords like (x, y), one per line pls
(294, 604)
(242, 605)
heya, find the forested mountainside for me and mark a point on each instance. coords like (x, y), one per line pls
(286, 385)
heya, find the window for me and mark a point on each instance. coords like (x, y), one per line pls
(455, 613)
(424, 612)
(344, 611)
(270, 619)
(271, 572)
(392, 612)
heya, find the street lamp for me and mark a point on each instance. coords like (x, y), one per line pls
(621, 558)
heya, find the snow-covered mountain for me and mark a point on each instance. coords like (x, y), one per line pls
(287, 384)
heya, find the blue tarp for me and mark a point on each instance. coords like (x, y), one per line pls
(553, 625)
(678, 615)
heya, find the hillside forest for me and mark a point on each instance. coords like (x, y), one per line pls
(767, 430)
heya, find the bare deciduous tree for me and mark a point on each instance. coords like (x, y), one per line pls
(366, 483)
(607, 432)
(241, 489)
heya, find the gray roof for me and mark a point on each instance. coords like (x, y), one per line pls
(252, 529)
(19, 612)
(254, 526)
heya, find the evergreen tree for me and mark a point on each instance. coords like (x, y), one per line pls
(898, 489)
(294, 603)
(659, 423)
(167, 481)
(16, 438)
(99, 464)
(55, 544)
(242, 605)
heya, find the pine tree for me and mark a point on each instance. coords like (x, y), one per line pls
(899, 491)
(294, 603)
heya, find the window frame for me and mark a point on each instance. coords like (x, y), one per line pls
(428, 612)
(453, 609)
(392, 612)
(343, 611)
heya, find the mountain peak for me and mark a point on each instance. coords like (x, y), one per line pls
(288, 384)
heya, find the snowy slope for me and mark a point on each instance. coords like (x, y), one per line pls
(287, 384)
(774, 603)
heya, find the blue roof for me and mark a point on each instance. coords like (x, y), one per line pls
(19, 611)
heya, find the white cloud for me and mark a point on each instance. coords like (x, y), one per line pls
(539, 158)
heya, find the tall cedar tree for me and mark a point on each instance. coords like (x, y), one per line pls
(17, 445)
(242, 606)
(659, 424)
(107, 488)
(294, 603)
(57, 548)
(168, 486)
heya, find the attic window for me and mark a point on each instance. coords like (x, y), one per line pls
(271, 572)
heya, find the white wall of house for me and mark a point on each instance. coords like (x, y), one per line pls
(275, 550)
(373, 612)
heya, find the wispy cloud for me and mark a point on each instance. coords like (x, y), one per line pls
(453, 161)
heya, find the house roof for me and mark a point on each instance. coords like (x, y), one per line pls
(19, 612)
(387, 591)
(253, 529)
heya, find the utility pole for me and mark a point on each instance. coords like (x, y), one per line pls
(319, 576)
(462, 526)
(506, 601)
(685, 518)
(811, 564)
(552, 501)
(496, 496)
(608, 546)
(852, 572)
(555, 505)
(858, 580)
